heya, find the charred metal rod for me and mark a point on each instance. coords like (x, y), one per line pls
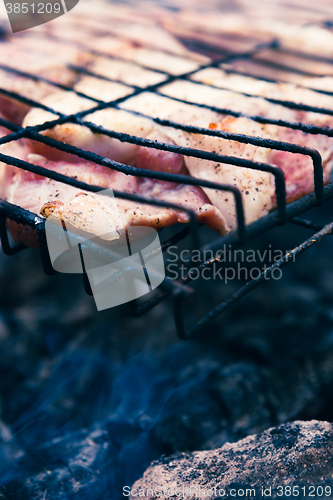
(177, 303)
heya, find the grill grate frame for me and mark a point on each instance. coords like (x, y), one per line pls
(179, 290)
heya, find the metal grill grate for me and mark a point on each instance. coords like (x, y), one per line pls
(179, 289)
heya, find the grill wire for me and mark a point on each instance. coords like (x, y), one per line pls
(179, 289)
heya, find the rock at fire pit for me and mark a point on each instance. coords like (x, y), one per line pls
(298, 455)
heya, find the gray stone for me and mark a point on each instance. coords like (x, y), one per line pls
(297, 455)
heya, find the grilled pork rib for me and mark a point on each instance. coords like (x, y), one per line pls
(257, 187)
(91, 76)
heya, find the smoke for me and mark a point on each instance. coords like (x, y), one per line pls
(94, 429)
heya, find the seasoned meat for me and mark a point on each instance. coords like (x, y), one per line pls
(135, 51)
(17, 57)
(256, 186)
(40, 195)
